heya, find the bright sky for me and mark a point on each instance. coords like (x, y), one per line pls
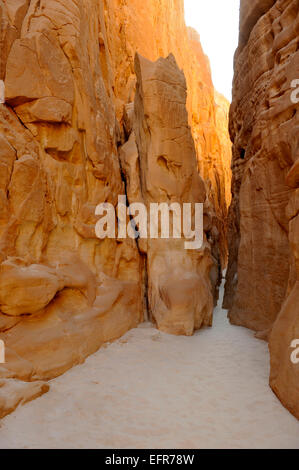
(217, 22)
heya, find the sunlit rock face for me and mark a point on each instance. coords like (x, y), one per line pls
(67, 143)
(63, 292)
(179, 291)
(262, 278)
(156, 29)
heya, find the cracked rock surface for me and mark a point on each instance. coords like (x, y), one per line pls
(67, 144)
(263, 273)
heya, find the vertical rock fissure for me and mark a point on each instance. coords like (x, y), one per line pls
(143, 256)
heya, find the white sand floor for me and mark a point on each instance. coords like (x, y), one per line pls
(152, 390)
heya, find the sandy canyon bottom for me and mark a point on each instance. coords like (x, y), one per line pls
(152, 390)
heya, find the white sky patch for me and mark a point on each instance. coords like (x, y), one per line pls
(217, 22)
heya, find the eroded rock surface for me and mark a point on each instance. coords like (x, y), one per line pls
(69, 140)
(262, 278)
(63, 293)
(179, 291)
(15, 392)
(156, 29)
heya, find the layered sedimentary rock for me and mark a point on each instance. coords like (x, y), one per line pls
(156, 29)
(262, 279)
(284, 338)
(63, 292)
(222, 122)
(179, 291)
(15, 392)
(67, 143)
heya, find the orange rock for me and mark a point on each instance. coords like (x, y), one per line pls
(63, 293)
(66, 145)
(262, 278)
(179, 297)
(143, 30)
(14, 393)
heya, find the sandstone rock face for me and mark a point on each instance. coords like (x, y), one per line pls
(63, 292)
(222, 122)
(14, 393)
(262, 278)
(71, 138)
(156, 29)
(284, 338)
(179, 292)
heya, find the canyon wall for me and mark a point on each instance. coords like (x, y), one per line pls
(155, 29)
(179, 291)
(73, 135)
(63, 292)
(262, 277)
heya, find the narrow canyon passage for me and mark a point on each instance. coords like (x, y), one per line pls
(128, 183)
(152, 390)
